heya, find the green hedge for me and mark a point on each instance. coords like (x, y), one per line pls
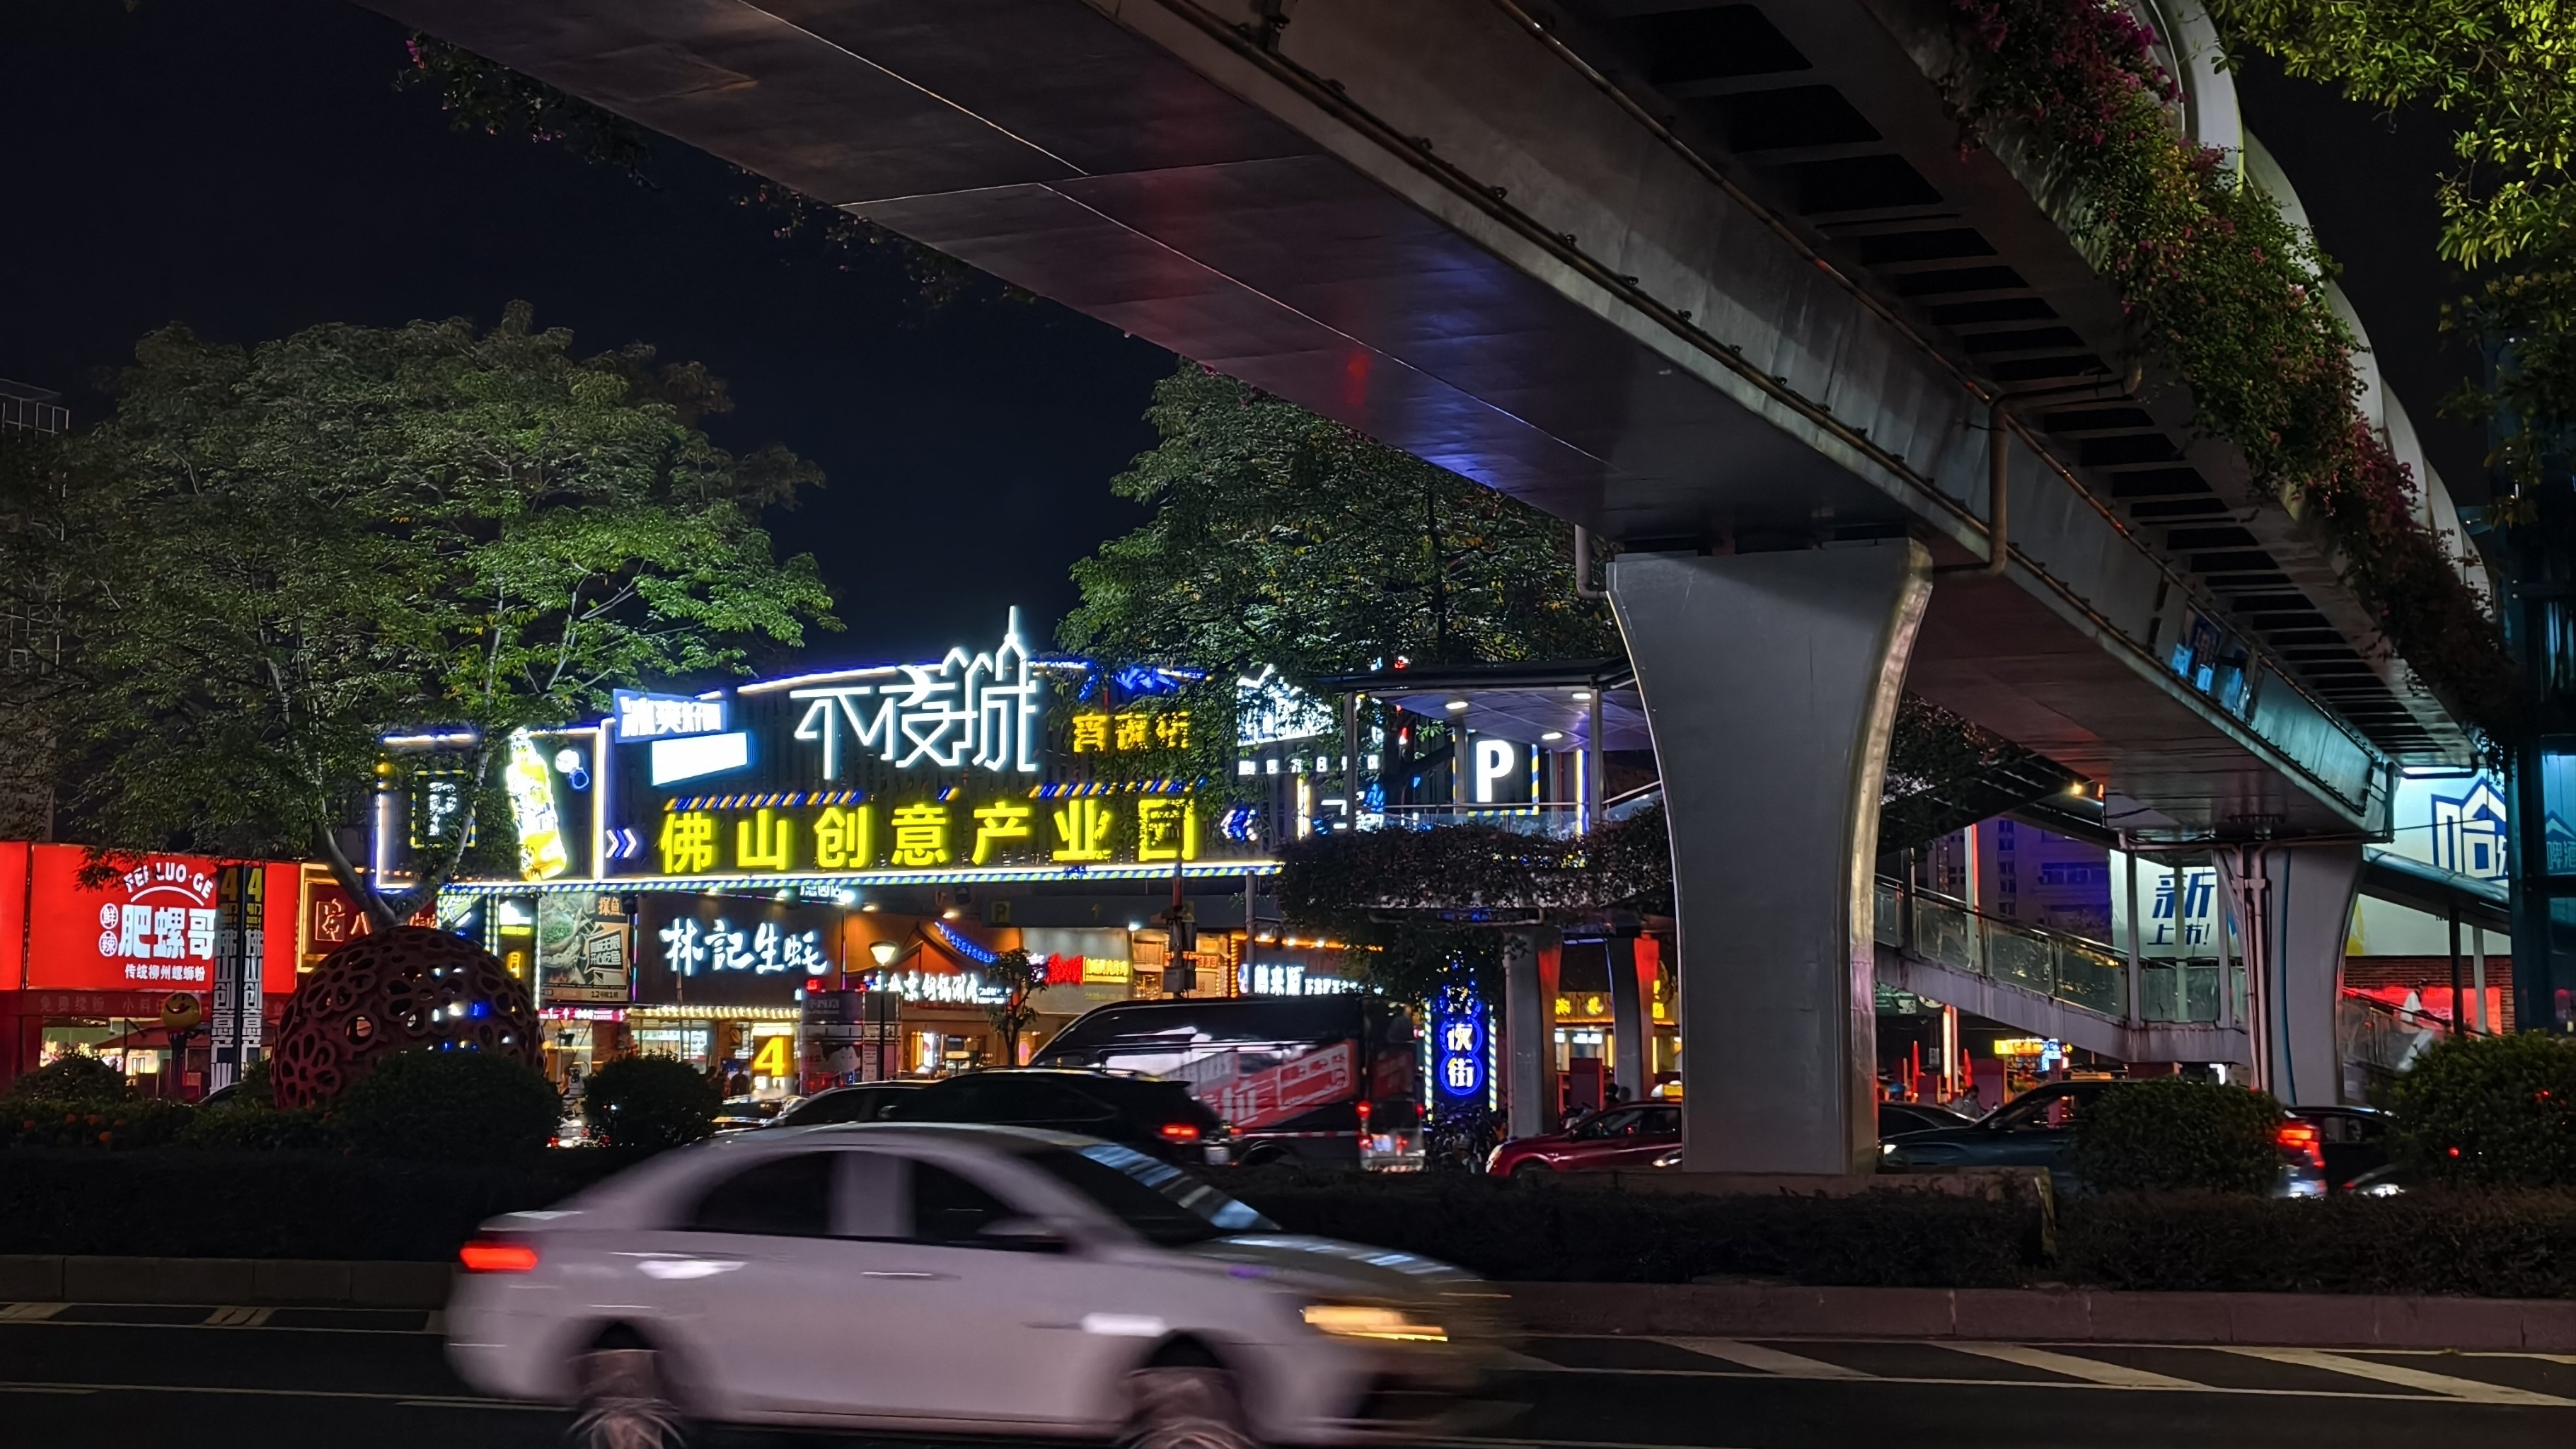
(188, 1204)
(648, 1103)
(2165, 1134)
(2473, 1244)
(2493, 1110)
(448, 1106)
(1553, 1233)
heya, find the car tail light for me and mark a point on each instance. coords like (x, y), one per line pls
(1180, 1131)
(2303, 1139)
(487, 1256)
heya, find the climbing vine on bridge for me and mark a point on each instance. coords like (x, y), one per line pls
(2225, 291)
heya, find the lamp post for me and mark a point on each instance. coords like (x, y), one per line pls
(884, 952)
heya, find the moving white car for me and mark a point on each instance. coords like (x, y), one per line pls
(950, 1278)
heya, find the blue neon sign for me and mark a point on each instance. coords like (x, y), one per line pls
(1460, 1030)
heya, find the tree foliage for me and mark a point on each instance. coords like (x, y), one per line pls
(1018, 975)
(2221, 288)
(268, 557)
(2504, 73)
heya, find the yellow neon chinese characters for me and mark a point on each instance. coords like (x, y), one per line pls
(842, 839)
(1167, 828)
(1091, 734)
(1172, 731)
(688, 842)
(1000, 821)
(1083, 829)
(921, 835)
(767, 841)
(1133, 730)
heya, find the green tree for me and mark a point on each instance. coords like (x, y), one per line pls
(1018, 975)
(1285, 539)
(269, 557)
(2503, 72)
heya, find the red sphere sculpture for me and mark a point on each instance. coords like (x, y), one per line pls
(405, 989)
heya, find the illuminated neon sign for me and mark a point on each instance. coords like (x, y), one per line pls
(1459, 1034)
(980, 710)
(767, 949)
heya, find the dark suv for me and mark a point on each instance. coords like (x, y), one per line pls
(1146, 1113)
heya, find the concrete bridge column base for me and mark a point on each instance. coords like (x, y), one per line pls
(2292, 906)
(1770, 683)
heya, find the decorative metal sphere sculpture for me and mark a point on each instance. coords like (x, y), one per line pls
(407, 989)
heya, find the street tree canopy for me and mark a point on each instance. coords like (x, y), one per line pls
(268, 558)
(1283, 538)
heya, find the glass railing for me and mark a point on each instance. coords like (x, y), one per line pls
(1949, 933)
(1556, 819)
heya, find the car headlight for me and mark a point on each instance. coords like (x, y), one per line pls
(2380, 1189)
(1887, 1149)
(1363, 1320)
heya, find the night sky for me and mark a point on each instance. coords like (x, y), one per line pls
(249, 167)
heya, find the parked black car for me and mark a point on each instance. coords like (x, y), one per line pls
(866, 1102)
(2037, 1129)
(1897, 1118)
(1153, 1116)
(2353, 1141)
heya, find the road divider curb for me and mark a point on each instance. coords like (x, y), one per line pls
(246, 1282)
(2042, 1315)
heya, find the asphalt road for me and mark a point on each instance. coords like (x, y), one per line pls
(217, 1378)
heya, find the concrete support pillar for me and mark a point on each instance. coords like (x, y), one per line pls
(2293, 912)
(1770, 683)
(1630, 999)
(1529, 1030)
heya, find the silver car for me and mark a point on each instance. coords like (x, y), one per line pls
(961, 1279)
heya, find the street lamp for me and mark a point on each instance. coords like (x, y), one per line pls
(878, 1013)
(885, 952)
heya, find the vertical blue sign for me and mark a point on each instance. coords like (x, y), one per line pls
(1460, 1030)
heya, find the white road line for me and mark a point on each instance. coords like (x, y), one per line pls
(237, 1317)
(1768, 1360)
(41, 1389)
(2090, 1370)
(2411, 1378)
(29, 1312)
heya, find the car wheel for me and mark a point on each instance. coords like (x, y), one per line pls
(625, 1403)
(1530, 1167)
(1177, 1406)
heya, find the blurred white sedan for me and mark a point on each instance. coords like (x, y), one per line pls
(958, 1279)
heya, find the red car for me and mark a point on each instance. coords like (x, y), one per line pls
(1626, 1137)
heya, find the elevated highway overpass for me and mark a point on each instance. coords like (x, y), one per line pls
(1717, 282)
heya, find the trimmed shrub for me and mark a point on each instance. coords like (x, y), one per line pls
(2172, 1133)
(178, 1202)
(1573, 1233)
(649, 1104)
(115, 1126)
(447, 1106)
(2494, 1110)
(256, 1126)
(2430, 1241)
(72, 1081)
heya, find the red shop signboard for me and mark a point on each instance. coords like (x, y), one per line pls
(150, 926)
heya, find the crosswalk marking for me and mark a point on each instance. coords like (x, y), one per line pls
(238, 1317)
(2088, 1369)
(2411, 1378)
(1767, 1360)
(29, 1312)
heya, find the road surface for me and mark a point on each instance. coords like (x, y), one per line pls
(223, 1377)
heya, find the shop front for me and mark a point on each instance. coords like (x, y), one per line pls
(127, 959)
(699, 872)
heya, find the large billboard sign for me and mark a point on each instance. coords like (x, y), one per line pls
(988, 762)
(149, 923)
